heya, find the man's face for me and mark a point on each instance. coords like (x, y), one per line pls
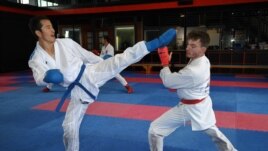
(194, 49)
(104, 41)
(47, 32)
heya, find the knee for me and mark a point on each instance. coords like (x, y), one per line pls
(153, 134)
(70, 130)
(153, 129)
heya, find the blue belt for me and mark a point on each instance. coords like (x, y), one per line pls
(71, 86)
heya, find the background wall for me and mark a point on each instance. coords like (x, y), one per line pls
(16, 42)
(246, 21)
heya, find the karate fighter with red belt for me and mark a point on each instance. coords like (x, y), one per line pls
(192, 84)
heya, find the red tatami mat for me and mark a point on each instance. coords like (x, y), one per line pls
(6, 89)
(212, 83)
(244, 121)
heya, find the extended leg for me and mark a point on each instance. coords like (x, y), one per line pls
(110, 67)
(162, 40)
(123, 81)
(222, 143)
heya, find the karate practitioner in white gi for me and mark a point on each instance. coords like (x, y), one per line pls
(64, 62)
(192, 84)
(107, 51)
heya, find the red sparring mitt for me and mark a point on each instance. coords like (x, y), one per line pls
(164, 56)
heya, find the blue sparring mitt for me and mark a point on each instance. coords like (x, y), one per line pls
(162, 40)
(53, 76)
(106, 57)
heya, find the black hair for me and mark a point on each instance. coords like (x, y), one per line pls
(203, 36)
(35, 24)
(107, 39)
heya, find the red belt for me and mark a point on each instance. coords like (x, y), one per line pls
(195, 101)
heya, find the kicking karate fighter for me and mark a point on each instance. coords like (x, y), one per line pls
(192, 84)
(107, 51)
(64, 62)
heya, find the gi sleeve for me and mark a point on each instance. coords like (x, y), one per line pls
(38, 68)
(177, 80)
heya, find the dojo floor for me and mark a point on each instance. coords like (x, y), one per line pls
(118, 121)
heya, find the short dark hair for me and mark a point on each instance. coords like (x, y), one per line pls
(35, 24)
(107, 39)
(203, 36)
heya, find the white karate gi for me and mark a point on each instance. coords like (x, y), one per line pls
(192, 82)
(69, 57)
(109, 50)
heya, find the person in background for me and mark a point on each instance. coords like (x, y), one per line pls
(64, 62)
(192, 84)
(107, 51)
